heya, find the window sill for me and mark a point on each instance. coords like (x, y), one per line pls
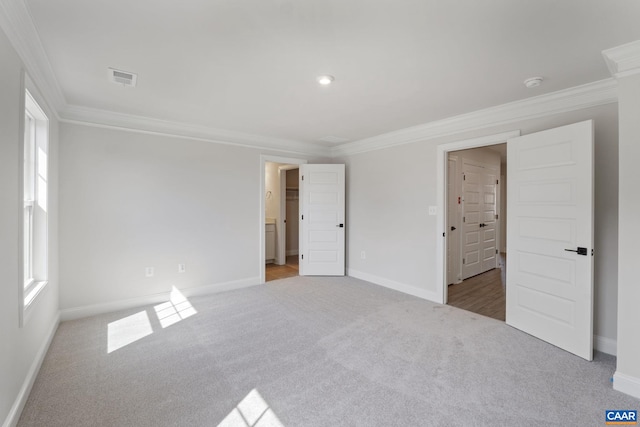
(32, 294)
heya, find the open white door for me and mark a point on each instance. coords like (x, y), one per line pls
(550, 234)
(322, 225)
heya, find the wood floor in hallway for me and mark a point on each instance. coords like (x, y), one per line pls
(483, 294)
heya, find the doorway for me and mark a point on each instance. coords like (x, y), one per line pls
(550, 232)
(274, 262)
(476, 244)
(284, 250)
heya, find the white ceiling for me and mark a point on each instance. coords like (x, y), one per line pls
(250, 65)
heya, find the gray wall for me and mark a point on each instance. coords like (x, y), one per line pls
(132, 200)
(21, 346)
(389, 192)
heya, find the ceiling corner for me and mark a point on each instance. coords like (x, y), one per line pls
(17, 24)
(623, 60)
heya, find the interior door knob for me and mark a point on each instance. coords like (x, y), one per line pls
(452, 228)
(579, 251)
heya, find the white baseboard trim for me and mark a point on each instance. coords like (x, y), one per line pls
(396, 286)
(21, 399)
(626, 384)
(605, 345)
(107, 307)
(292, 252)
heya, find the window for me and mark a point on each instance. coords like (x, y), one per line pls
(34, 195)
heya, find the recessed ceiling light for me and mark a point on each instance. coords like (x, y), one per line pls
(533, 82)
(325, 80)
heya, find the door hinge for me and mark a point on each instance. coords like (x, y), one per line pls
(496, 251)
(302, 216)
(303, 177)
(464, 177)
(496, 181)
(463, 260)
(464, 219)
(302, 256)
(443, 234)
(496, 216)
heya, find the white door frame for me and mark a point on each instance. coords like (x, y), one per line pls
(264, 158)
(457, 273)
(441, 199)
(281, 230)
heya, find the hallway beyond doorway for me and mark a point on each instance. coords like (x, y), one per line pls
(482, 294)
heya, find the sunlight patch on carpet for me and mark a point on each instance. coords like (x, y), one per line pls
(176, 309)
(127, 330)
(252, 411)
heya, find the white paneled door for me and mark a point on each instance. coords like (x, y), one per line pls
(550, 234)
(322, 225)
(479, 219)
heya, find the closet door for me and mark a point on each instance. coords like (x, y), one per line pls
(472, 213)
(489, 223)
(478, 218)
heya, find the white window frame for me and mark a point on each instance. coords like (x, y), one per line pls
(34, 232)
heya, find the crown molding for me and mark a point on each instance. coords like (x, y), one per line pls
(17, 24)
(623, 60)
(113, 120)
(576, 98)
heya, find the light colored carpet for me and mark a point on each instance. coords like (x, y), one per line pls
(313, 352)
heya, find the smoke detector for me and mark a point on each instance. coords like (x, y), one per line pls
(124, 78)
(533, 82)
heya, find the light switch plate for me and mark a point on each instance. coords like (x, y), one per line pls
(433, 210)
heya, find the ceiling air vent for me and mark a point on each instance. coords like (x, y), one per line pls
(333, 139)
(125, 78)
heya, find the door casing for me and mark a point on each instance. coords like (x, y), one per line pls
(261, 214)
(441, 200)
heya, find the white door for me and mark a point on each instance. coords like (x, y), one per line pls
(322, 227)
(471, 219)
(479, 219)
(550, 234)
(488, 227)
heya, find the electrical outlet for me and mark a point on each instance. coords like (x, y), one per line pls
(363, 255)
(433, 210)
(182, 268)
(148, 271)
